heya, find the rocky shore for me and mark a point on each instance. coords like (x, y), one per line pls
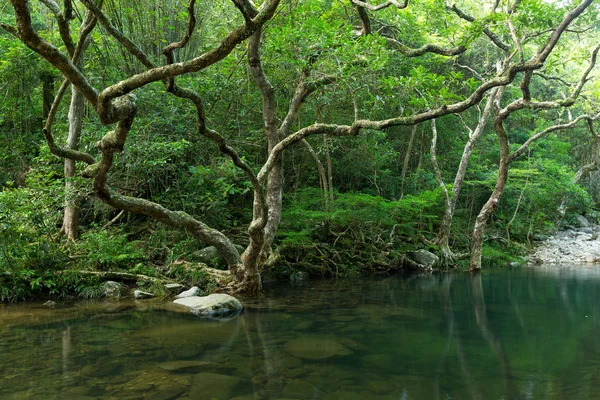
(575, 245)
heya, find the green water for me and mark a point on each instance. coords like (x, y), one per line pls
(521, 334)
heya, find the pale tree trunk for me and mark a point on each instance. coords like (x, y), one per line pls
(321, 170)
(262, 237)
(70, 226)
(407, 159)
(445, 253)
(329, 167)
(492, 203)
(443, 238)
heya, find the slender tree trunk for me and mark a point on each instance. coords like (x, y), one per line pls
(407, 159)
(492, 203)
(70, 226)
(47, 93)
(443, 239)
(261, 237)
(321, 170)
(329, 167)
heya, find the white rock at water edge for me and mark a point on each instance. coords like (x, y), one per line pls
(194, 291)
(140, 294)
(214, 305)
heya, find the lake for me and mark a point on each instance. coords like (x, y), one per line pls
(530, 333)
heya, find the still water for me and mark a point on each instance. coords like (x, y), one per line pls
(520, 334)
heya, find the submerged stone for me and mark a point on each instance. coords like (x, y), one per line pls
(299, 389)
(214, 305)
(344, 395)
(209, 386)
(315, 348)
(188, 366)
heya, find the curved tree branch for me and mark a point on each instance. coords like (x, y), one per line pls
(386, 4)
(486, 30)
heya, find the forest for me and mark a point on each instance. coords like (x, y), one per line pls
(228, 143)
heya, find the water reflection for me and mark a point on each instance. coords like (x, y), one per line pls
(525, 334)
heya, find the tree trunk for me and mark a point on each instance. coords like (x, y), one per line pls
(70, 226)
(447, 259)
(492, 204)
(321, 170)
(329, 168)
(407, 159)
(443, 238)
(47, 93)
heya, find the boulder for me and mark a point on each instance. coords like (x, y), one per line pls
(209, 386)
(193, 291)
(299, 389)
(140, 294)
(315, 348)
(211, 257)
(50, 304)
(583, 222)
(173, 288)
(424, 257)
(114, 290)
(214, 305)
(188, 366)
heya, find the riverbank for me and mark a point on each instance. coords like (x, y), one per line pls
(574, 245)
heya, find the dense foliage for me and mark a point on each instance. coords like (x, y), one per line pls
(351, 205)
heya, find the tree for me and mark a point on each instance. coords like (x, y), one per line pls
(116, 104)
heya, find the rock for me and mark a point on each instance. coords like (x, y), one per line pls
(583, 222)
(299, 276)
(299, 389)
(424, 257)
(214, 305)
(114, 290)
(590, 259)
(140, 294)
(50, 304)
(173, 288)
(152, 385)
(211, 256)
(315, 348)
(194, 291)
(209, 386)
(188, 366)
(170, 392)
(344, 395)
(589, 230)
(290, 362)
(584, 237)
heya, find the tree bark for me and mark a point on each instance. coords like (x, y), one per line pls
(443, 238)
(70, 226)
(407, 159)
(492, 203)
(321, 170)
